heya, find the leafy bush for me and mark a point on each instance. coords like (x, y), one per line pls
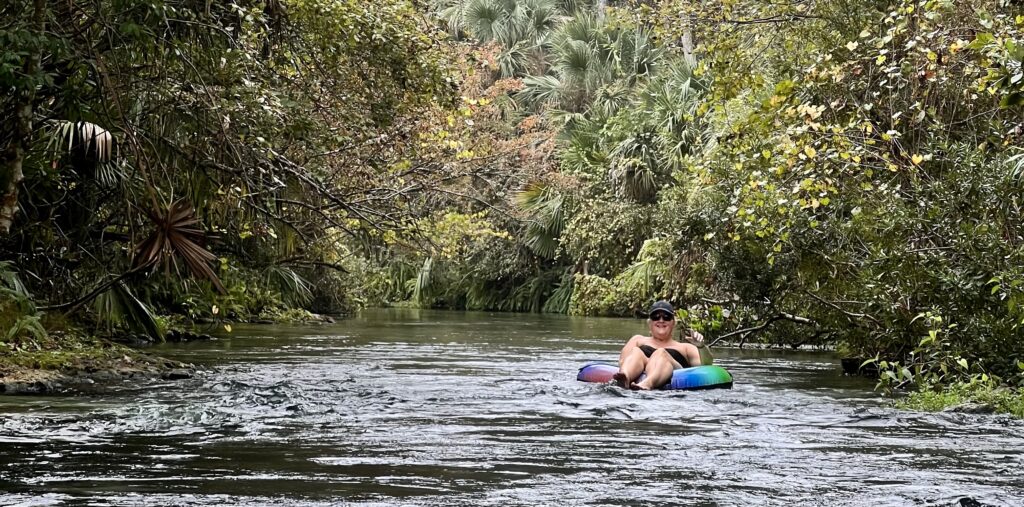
(594, 295)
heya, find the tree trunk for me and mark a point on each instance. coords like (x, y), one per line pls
(687, 42)
(12, 159)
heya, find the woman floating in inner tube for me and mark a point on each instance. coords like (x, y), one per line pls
(658, 355)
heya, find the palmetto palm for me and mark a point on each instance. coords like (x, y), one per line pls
(546, 207)
(636, 135)
(590, 60)
(521, 28)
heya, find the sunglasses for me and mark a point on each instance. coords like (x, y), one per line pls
(656, 316)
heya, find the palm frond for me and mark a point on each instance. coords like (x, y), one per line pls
(634, 179)
(423, 282)
(9, 278)
(1016, 164)
(576, 60)
(175, 235)
(85, 139)
(483, 18)
(547, 218)
(540, 90)
(584, 27)
(119, 306)
(295, 290)
(558, 301)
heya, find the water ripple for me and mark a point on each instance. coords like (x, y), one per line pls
(454, 409)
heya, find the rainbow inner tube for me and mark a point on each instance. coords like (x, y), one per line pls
(697, 377)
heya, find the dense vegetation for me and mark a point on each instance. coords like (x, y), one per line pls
(799, 172)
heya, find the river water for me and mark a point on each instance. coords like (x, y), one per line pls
(407, 407)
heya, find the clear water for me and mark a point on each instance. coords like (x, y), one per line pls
(406, 407)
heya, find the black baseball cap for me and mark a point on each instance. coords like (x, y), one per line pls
(662, 306)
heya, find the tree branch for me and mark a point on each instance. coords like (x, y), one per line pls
(746, 332)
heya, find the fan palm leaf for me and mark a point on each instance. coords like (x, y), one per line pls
(559, 300)
(483, 18)
(541, 90)
(547, 218)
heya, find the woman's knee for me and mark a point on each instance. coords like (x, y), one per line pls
(661, 354)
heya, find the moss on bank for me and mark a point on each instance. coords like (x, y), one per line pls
(967, 398)
(62, 360)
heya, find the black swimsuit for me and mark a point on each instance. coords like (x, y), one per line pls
(678, 356)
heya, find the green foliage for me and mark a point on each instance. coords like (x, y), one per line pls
(19, 320)
(934, 362)
(987, 397)
(606, 235)
(260, 136)
(295, 290)
(596, 296)
(119, 306)
(545, 207)
(561, 298)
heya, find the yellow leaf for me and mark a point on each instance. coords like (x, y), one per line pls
(917, 159)
(810, 151)
(856, 159)
(851, 45)
(215, 310)
(227, 327)
(880, 60)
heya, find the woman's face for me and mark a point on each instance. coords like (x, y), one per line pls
(662, 324)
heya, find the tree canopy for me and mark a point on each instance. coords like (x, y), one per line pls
(798, 173)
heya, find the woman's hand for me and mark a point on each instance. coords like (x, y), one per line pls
(697, 337)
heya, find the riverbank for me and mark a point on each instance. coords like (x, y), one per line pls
(966, 398)
(67, 361)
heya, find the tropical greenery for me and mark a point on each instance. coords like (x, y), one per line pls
(792, 173)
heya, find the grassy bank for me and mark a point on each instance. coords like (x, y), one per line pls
(967, 398)
(66, 360)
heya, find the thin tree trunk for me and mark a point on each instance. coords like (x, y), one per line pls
(12, 159)
(687, 43)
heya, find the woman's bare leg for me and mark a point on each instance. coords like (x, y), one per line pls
(631, 364)
(659, 370)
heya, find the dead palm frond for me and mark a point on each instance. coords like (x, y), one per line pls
(176, 236)
(423, 282)
(82, 139)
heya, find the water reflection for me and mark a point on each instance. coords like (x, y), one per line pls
(433, 408)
